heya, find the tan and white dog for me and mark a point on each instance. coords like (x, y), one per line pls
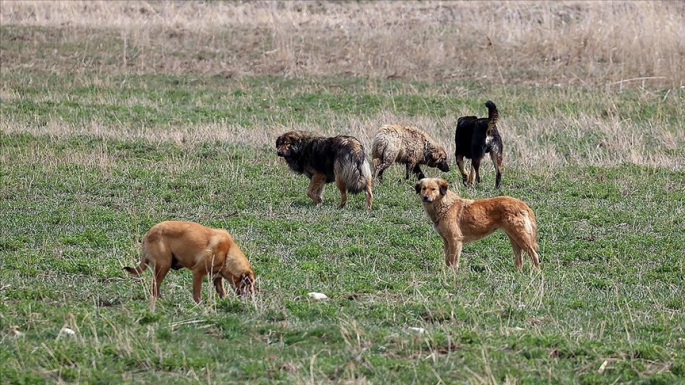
(204, 250)
(460, 221)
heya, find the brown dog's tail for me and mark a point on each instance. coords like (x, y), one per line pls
(493, 115)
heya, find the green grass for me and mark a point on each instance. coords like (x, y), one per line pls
(74, 208)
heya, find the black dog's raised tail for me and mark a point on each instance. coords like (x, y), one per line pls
(493, 115)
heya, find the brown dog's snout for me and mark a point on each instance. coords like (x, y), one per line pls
(444, 167)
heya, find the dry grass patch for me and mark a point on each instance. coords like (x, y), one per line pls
(572, 42)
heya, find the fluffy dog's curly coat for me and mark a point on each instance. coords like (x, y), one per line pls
(409, 146)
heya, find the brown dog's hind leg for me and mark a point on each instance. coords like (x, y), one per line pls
(518, 261)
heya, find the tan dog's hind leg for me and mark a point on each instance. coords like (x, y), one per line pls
(316, 186)
(518, 262)
(161, 270)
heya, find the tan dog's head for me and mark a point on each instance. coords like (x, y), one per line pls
(245, 285)
(431, 189)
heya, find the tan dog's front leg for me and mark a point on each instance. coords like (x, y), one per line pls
(219, 285)
(198, 275)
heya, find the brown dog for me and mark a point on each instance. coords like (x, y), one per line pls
(460, 221)
(174, 244)
(409, 146)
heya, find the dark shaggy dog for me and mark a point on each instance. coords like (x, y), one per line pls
(340, 159)
(475, 138)
(409, 146)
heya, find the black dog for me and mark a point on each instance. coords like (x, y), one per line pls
(340, 159)
(475, 138)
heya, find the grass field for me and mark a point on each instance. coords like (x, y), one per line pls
(118, 115)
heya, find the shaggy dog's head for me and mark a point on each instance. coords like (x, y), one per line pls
(287, 145)
(431, 189)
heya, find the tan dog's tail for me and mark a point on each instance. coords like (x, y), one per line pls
(141, 267)
(493, 115)
(136, 270)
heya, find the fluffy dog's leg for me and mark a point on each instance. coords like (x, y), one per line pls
(417, 171)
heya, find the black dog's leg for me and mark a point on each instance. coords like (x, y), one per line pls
(497, 162)
(460, 164)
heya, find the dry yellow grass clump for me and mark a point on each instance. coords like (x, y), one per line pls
(578, 42)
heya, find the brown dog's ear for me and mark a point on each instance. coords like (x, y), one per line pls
(417, 187)
(443, 187)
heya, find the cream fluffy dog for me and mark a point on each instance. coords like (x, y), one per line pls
(460, 221)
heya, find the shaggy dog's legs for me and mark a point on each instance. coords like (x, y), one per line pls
(342, 186)
(316, 186)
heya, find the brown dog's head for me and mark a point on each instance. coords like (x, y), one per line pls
(245, 285)
(431, 189)
(288, 144)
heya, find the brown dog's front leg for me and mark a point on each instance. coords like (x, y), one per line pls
(453, 252)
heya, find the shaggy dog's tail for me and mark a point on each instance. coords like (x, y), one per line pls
(353, 167)
(493, 115)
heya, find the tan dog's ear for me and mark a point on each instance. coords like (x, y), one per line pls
(417, 187)
(443, 187)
